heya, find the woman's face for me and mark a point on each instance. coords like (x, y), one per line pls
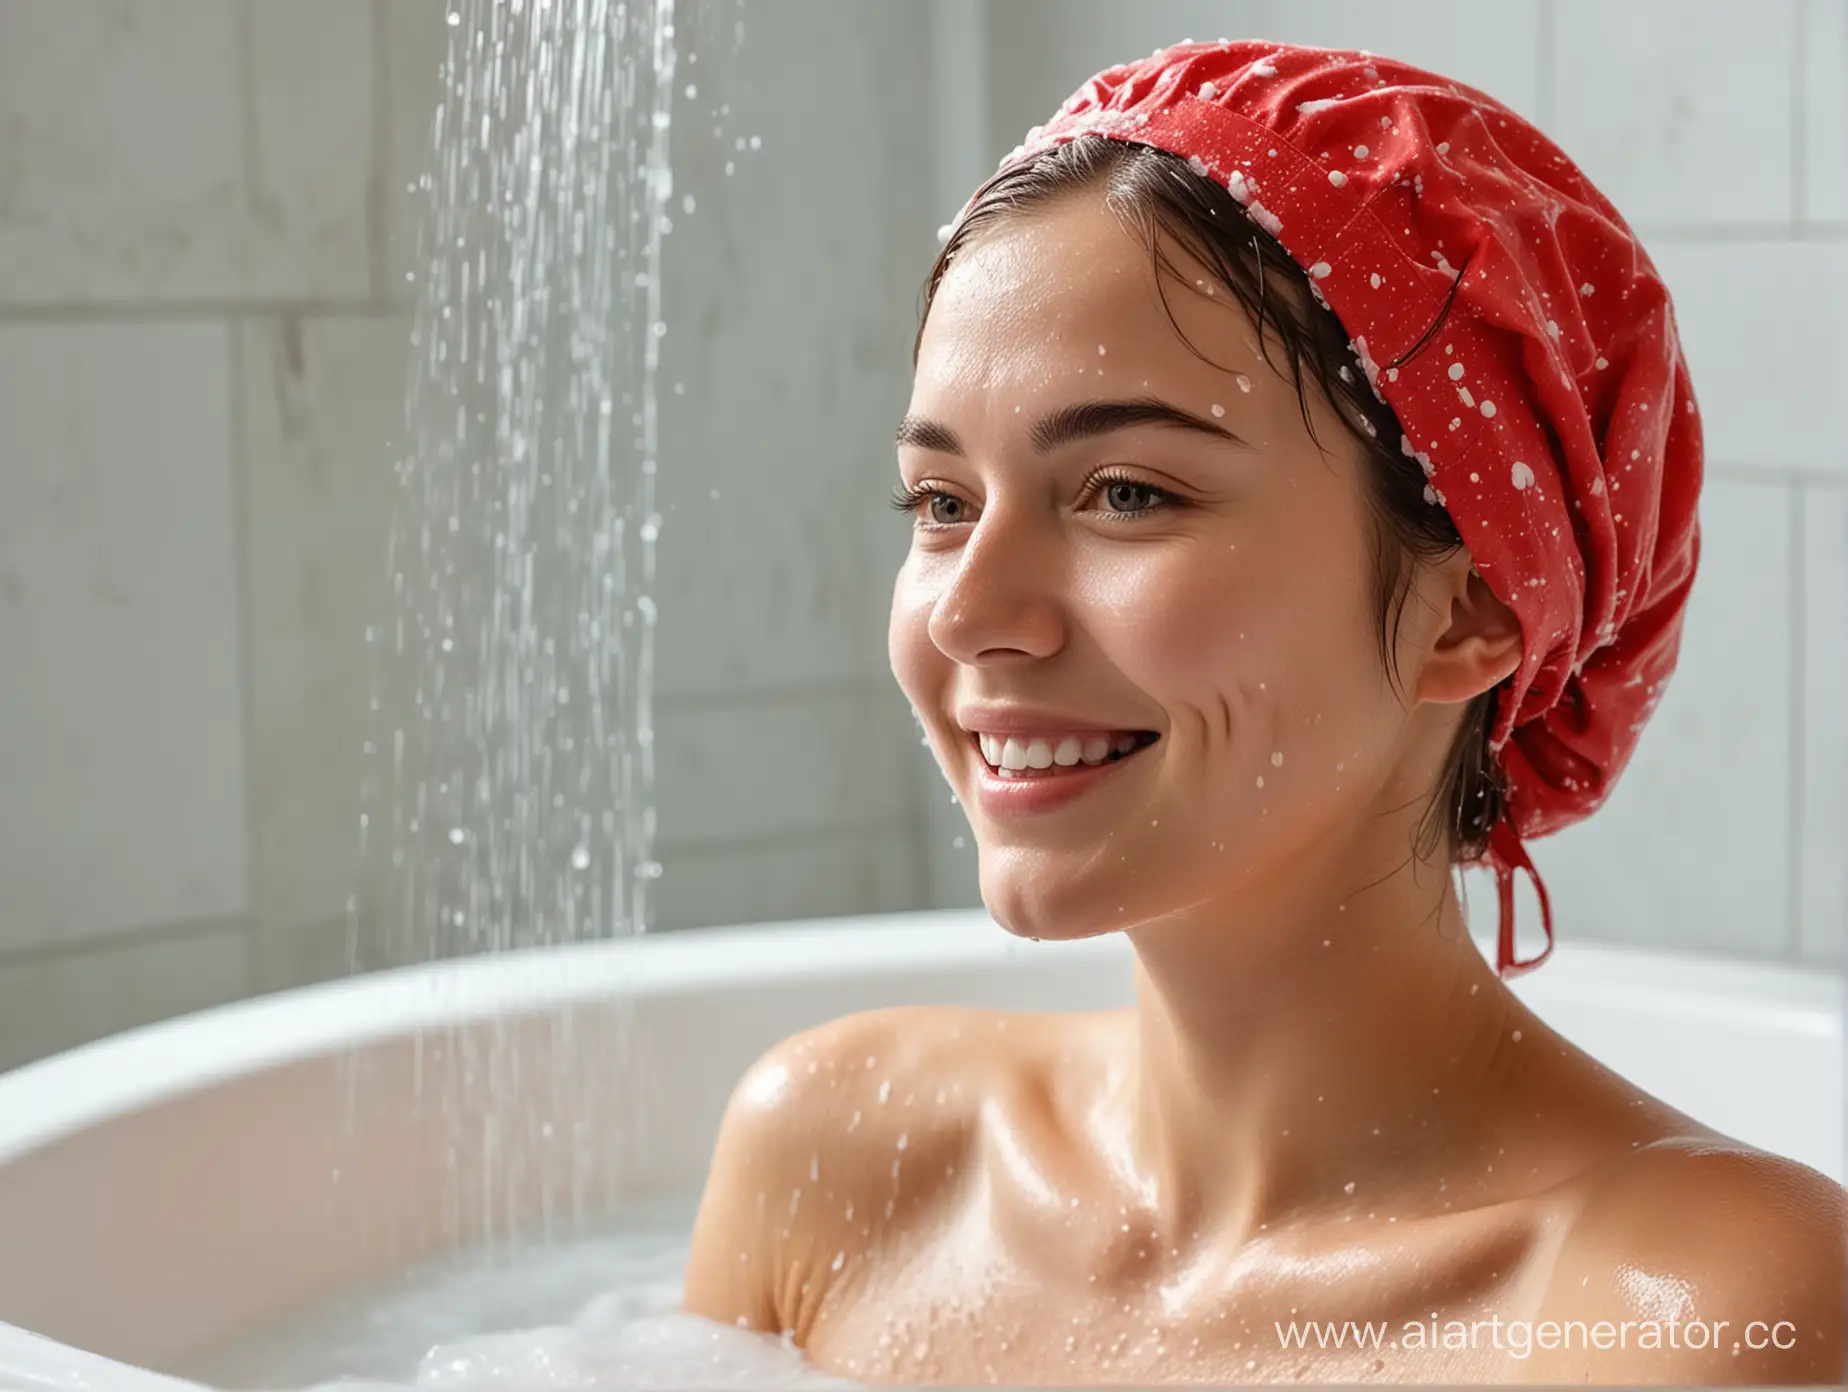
(1118, 537)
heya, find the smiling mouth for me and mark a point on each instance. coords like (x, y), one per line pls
(1012, 758)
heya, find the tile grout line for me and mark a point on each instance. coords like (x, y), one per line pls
(101, 944)
(254, 961)
(1799, 713)
(182, 310)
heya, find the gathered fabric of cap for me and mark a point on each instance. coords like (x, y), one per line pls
(1551, 410)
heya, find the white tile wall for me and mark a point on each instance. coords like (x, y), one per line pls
(1041, 50)
(1490, 47)
(204, 229)
(1676, 109)
(815, 762)
(875, 871)
(209, 150)
(299, 954)
(1823, 885)
(416, 38)
(1825, 88)
(791, 325)
(1765, 328)
(322, 406)
(232, 177)
(309, 158)
(121, 716)
(951, 860)
(1693, 850)
(54, 1003)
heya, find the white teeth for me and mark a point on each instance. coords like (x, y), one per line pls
(1066, 751)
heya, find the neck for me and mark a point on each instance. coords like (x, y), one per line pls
(1305, 1039)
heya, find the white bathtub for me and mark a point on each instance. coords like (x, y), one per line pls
(166, 1189)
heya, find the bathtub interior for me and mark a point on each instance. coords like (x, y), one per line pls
(163, 1192)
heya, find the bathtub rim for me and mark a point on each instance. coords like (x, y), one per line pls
(63, 1094)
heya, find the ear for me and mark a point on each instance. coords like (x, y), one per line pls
(1477, 647)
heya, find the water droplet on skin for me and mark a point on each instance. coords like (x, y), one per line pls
(1218, 410)
(1244, 382)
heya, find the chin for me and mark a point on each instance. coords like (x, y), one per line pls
(1032, 897)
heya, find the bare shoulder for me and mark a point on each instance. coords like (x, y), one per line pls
(830, 1139)
(1696, 1260)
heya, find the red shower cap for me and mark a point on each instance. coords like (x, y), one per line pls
(1551, 410)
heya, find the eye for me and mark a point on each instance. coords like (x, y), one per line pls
(944, 509)
(1128, 497)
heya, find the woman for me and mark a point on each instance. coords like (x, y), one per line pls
(1303, 472)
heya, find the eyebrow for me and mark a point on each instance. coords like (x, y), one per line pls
(1082, 421)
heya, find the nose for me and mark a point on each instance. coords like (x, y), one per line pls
(1004, 600)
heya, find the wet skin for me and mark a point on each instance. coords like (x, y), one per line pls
(1323, 1104)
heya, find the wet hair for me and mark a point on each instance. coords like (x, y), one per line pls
(1156, 193)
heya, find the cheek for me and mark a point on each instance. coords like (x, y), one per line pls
(1270, 643)
(916, 663)
(1199, 618)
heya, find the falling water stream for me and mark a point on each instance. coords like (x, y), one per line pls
(511, 760)
(509, 801)
(512, 797)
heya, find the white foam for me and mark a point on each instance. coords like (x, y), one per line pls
(592, 1312)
